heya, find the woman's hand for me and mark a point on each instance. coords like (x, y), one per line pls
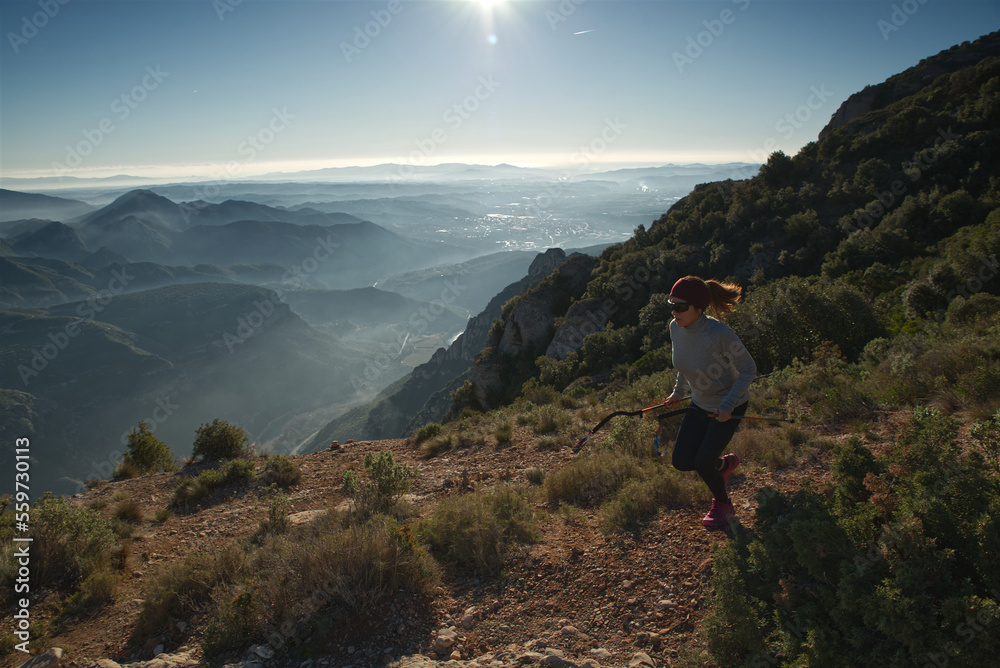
(722, 414)
(671, 401)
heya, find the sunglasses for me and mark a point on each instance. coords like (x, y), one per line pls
(679, 307)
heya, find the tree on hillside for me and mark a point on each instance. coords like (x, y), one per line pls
(146, 453)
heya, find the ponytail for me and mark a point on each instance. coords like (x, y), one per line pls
(719, 296)
(725, 296)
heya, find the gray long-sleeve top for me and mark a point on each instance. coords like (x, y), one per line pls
(712, 363)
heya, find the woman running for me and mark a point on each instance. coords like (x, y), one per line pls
(714, 367)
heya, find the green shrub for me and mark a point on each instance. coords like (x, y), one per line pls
(332, 575)
(634, 436)
(275, 520)
(437, 444)
(986, 438)
(429, 430)
(504, 432)
(129, 511)
(547, 420)
(535, 475)
(220, 440)
(145, 454)
(478, 530)
(895, 565)
(592, 477)
(189, 491)
(282, 471)
(181, 587)
(69, 543)
(387, 481)
(641, 498)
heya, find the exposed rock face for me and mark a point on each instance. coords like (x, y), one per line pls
(582, 319)
(880, 96)
(528, 331)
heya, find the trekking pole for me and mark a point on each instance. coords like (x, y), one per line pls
(641, 411)
(644, 412)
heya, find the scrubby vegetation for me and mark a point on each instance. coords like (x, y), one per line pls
(895, 564)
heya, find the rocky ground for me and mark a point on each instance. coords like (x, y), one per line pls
(577, 597)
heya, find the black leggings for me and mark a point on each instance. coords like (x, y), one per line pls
(700, 442)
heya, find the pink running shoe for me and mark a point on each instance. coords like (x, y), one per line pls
(729, 464)
(721, 514)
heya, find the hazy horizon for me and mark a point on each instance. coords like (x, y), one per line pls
(236, 89)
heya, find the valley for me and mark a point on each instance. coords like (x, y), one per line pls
(278, 305)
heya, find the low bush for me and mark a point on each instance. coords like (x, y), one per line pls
(641, 498)
(592, 477)
(189, 491)
(477, 531)
(69, 543)
(281, 471)
(387, 481)
(535, 475)
(314, 577)
(504, 432)
(220, 440)
(895, 565)
(429, 430)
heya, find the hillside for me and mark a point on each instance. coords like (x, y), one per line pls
(885, 219)
(17, 206)
(176, 356)
(555, 594)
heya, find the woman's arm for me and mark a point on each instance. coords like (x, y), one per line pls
(737, 354)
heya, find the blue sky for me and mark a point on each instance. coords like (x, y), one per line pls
(215, 87)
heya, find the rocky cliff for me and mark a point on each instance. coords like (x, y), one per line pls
(527, 330)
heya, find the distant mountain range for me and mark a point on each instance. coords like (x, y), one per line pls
(337, 249)
(402, 173)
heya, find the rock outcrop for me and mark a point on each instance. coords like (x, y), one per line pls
(874, 98)
(528, 331)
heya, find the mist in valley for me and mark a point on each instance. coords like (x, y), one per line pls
(279, 305)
